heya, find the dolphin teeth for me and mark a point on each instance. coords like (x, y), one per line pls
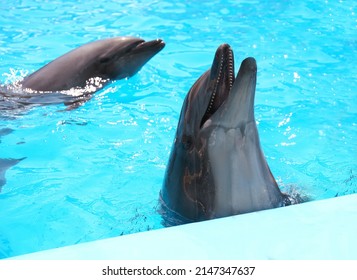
(231, 71)
(213, 96)
(225, 71)
(216, 85)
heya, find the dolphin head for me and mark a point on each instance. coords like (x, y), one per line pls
(216, 166)
(107, 59)
(122, 57)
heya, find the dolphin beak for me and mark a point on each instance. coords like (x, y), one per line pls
(153, 46)
(139, 52)
(221, 80)
(239, 106)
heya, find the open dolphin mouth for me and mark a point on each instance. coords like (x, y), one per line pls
(232, 98)
(222, 79)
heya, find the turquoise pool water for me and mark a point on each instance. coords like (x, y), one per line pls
(95, 172)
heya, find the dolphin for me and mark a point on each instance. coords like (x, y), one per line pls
(5, 164)
(73, 77)
(217, 167)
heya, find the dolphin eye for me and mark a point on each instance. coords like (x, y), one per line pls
(104, 59)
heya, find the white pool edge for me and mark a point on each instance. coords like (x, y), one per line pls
(319, 230)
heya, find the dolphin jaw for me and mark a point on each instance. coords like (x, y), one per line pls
(157, 45)
(238, 108)
(132, 46)
(125, 61)
(221, 79)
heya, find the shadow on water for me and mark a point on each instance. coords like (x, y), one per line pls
(5, 164)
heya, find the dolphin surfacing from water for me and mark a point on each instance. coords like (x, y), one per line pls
(102, 60)
(217, 167)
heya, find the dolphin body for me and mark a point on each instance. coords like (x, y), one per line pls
(216, 166)
(73, 77)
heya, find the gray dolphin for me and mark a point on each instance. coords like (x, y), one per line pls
(84, 70)
(216, 166)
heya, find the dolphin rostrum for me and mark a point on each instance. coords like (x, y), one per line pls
(216, 166)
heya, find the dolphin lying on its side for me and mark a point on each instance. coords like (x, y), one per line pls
(102, 60)
(216, 166)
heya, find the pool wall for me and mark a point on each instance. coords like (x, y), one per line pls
(323, 230)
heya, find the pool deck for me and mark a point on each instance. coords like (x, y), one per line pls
(319, 230)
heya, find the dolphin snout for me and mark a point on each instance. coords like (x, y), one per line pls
(249, 65)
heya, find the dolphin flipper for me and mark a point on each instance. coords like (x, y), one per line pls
(5, 164)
